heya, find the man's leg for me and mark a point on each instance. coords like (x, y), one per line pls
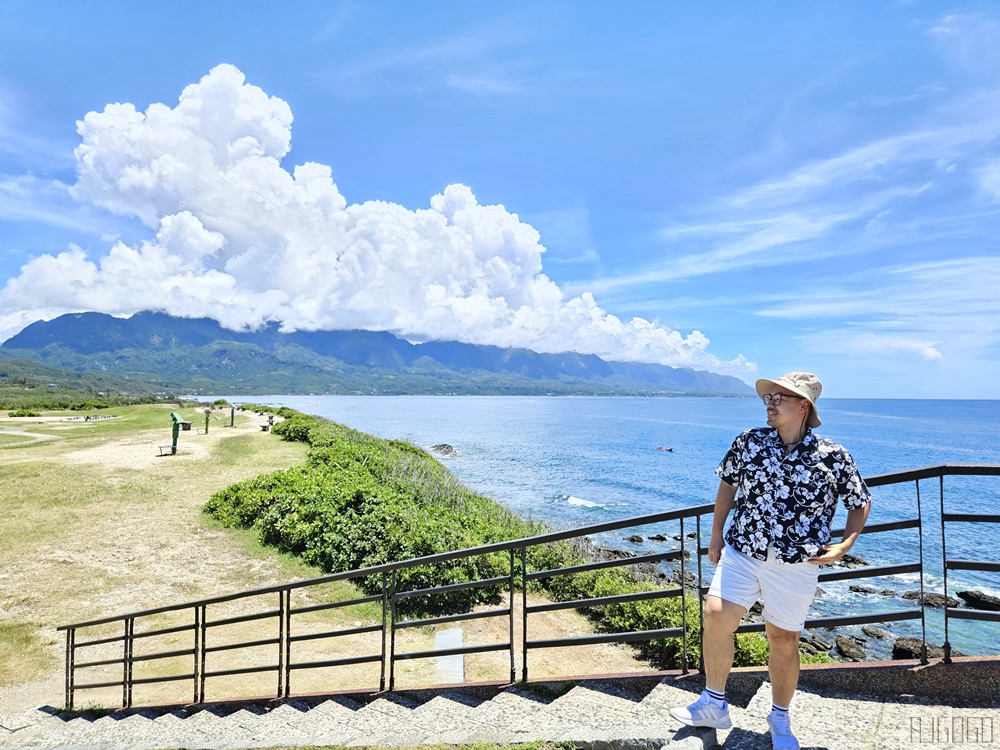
(722, 617)
(782, 663)
(734, 580)
(711, 709)
(783, 666)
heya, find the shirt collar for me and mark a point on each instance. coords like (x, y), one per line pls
(808, 441)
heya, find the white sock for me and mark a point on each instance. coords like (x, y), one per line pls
(716, 696)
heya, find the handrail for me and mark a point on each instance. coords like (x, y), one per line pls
(877, 480)
(983, 566)
(486, 549)
(931, 472)
(390, 596)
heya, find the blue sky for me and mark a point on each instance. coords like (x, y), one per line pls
(748, 188)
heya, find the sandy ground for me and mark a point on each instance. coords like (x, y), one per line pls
(150, 545)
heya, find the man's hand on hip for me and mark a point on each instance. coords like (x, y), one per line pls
(715, 545)
(830, 553)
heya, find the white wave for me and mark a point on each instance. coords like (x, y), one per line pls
(572, 500)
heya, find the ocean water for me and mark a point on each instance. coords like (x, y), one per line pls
(577, 461)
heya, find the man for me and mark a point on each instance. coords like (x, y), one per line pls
(789, 481)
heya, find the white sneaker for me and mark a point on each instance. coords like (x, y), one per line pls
(781, 731)
(704, 712)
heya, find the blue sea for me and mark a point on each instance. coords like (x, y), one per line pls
(577, 461)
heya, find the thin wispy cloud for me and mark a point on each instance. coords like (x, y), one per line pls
(22, 145)
(969, 41)
(827, 199)
(731, 246)
(483, 85)
(479, 62)
(933, 309)
(49, 202)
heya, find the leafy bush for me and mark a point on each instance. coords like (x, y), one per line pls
(751, 650)
(23, 413)
(88, 406)
(294, 430)
(820, 658)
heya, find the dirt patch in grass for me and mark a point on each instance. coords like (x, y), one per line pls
(103, 525)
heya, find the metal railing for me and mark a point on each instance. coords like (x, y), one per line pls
(981, 566)
(284, 642)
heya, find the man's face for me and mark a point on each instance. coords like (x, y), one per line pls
(789, 409)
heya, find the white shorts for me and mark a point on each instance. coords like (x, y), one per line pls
(787, 589)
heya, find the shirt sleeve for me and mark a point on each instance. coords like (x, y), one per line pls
(851, 487)
(731, 466)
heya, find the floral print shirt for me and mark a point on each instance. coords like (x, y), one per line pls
(787, 499)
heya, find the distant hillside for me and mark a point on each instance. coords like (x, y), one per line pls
(200, 355)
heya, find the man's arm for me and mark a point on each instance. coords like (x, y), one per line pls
(852, 530)
(724, 500)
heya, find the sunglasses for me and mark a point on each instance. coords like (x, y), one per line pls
(774, 399)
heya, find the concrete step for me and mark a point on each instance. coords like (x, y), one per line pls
(627, 714)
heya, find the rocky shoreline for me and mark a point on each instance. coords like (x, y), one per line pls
(874, 643)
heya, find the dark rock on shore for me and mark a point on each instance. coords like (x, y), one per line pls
(635, 539)
(909, 648)
(871, 590)
(980, 600)
(639, 571)
(932, 600)
(443, 449)
(852, 561)
(593, 553)
(657, 538)
(603, 553)
(690, 580)
(849, 648)
(817, 643)
(873, 632)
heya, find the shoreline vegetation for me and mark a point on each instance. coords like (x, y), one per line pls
(361, 501)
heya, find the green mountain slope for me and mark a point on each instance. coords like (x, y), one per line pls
(201, 356)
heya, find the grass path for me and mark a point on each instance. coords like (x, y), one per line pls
(96, 523)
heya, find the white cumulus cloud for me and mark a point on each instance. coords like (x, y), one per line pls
(238, 238)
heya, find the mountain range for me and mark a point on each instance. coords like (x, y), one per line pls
(199, 355)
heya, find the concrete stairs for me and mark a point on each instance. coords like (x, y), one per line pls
(599, 714)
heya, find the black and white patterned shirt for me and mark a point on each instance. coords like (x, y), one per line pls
(787, 499)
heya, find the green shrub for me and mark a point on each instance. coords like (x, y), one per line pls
(820, 658)
(23, 413)
(88, 406)
(294, 430)
(751, 650)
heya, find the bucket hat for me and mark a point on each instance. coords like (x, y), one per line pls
(804, 384)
